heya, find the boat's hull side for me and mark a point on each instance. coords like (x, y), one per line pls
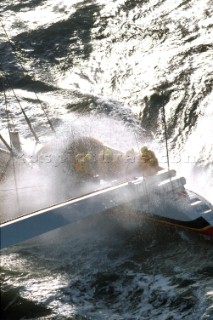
(208, 231)
(199, 225)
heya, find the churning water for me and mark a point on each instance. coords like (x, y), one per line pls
(106, 69)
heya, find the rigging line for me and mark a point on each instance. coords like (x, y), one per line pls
(21, 188)
(23, 111)
(5, 143)
(6, 103)
(167, 148)
(12, 154)
(166, 136)
(25, 71)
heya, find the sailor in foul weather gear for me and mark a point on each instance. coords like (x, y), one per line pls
(148, 162)
(89, 158)
(84, 165)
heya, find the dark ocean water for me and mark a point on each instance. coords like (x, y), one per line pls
(107, 70)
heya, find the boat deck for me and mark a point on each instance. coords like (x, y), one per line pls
(37, 189)
(31, 210)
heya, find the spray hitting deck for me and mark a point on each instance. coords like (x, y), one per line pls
(162, 198)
